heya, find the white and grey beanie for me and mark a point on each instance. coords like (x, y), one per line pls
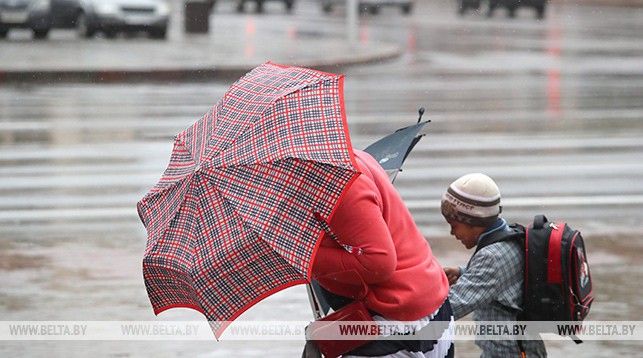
(473, 199)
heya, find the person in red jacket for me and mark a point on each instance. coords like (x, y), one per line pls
(391, 266)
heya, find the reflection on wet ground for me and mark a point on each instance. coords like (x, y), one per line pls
(77, 278)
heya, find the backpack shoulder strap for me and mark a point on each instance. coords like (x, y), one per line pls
(539, 221)
(517, 232)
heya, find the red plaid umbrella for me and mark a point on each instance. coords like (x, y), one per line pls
(232, 220)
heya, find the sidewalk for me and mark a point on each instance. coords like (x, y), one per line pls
(233, 45)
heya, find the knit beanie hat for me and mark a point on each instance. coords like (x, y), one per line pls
(473, 199)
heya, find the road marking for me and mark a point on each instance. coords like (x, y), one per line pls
(76, 213)
(130, 211)
(547, 200)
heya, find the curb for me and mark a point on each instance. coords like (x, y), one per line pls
(196, 71)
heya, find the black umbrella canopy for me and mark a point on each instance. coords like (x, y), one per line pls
(392, 150)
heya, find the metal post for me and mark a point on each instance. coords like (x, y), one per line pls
(314, 304)
(352, 21)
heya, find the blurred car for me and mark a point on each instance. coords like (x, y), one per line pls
(112, 17)
(510, 5)
(26, 14)
(513, 5)
(371, 6)
(464, 5)
(241, 4)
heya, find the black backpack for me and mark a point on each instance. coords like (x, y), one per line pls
(558, 285)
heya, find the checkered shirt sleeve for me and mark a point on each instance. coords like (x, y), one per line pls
(492, 283)
(494, 276)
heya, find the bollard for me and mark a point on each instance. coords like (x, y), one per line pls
(197, 16)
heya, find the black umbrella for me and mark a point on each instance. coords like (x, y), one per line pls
(391, 151)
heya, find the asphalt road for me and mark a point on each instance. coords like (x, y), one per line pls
(551, 109)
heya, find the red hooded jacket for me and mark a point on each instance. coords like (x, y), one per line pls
(396, 272)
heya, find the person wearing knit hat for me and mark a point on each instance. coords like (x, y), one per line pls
(473, 199)
(491, 285)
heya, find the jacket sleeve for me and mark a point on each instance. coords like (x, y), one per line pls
(488, 275)
(358, 222)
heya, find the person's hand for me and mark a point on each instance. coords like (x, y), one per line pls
(453, 273)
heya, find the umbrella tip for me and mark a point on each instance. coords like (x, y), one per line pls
(421, 113)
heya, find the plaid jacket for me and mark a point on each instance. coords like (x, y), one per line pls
(491, 288)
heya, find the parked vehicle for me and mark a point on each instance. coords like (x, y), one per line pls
(26, 14)
(513, 5)
(371, 6)
(241, 5)
(510, 5)
(464, 5)
(112, 17)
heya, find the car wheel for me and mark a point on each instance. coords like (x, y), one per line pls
(492, 8)
(462, 7)
(158, 33)
(289, 6)
(259, 9)
(110, 33)
(83, 27)
(512, 11)
(406, 9)
(40, 34)
(327, 7)
(363, 9)
(3, 33)
(540, 11)
(240, 6)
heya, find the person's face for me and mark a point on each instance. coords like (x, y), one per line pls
(466, 234)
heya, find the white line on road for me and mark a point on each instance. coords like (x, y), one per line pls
(130, 211)
(76, 213)
(547, 200)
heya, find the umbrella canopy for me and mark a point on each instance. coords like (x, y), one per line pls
(233, 218)
(392, 150)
